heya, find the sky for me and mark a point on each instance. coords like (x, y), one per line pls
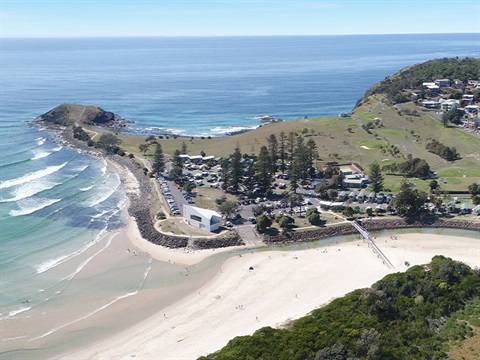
(86, 18)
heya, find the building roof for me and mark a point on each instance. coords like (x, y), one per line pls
(206, 213)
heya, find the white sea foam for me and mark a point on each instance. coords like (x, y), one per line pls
(30, 189)
(29, 207)
(104, 197)
(219, 130)
(13, 338)
(40, 140)
(104, 169)
(51, 263)
(86, 188)
(40, 155)
(19, 311)
(80, 168)
(86, 261)
(31, 176)
(100, 214)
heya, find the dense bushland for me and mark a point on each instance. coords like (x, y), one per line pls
(411, 315)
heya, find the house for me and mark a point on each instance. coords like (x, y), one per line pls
(349, 169)
(442, 82)
(430, 104)
(355, 181)
(468, 98)
(449, 104)
(471, 109)
(457, 82)
(431, 88)
(202, 218)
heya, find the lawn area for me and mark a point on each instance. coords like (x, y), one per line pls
(179, 227)
(206, 197)
(391, 132)
(372, 144)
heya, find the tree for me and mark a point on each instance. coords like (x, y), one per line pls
(109, 142)
(375, 177)
(229, 209)
(408, 201)
(336, 181)
(348, 212)
(313, 216)
(311, 154)
(322, 189)
(284, 221)
(295, 200)
(143, 148)
(263, 174)
(272, 144)
(235, 171)
(183, 150)
(158, 160)
(177, 165)
(433, 185)
(151, 139)
(474, 189)
(333, 194)
(263, 222)
(282, 151)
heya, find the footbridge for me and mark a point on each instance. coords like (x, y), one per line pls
(374, 246)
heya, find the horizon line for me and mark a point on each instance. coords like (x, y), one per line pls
(226, 36)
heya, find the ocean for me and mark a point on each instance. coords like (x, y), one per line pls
(59, 208)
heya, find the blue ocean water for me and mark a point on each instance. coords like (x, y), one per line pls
(54, 201)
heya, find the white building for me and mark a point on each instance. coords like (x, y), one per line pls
(202, 218)
(449, 104)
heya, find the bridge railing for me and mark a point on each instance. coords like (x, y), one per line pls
(375, 248)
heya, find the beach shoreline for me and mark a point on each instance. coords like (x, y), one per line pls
(252, 290)
(269, 289)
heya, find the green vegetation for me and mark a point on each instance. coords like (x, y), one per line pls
(413, 77)
(445, 152)
(411, 315)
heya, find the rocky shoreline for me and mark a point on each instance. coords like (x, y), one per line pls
(370, 225)
(139, 208)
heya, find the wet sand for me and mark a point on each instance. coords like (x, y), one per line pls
(267, 289)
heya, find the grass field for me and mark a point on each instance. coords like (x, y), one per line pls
(344, 140)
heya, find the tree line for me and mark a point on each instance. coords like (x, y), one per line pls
(253, 174)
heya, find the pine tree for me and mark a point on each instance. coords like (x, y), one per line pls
(273, 152)
(183, 150)
(158, 159)
(177, 165)
(236, 171)
(263, 174)
(375, 177)
(311, 155)
(282, 151)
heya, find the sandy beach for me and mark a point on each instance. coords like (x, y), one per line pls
(266, 289)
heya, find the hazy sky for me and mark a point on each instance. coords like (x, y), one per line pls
(66, 18)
